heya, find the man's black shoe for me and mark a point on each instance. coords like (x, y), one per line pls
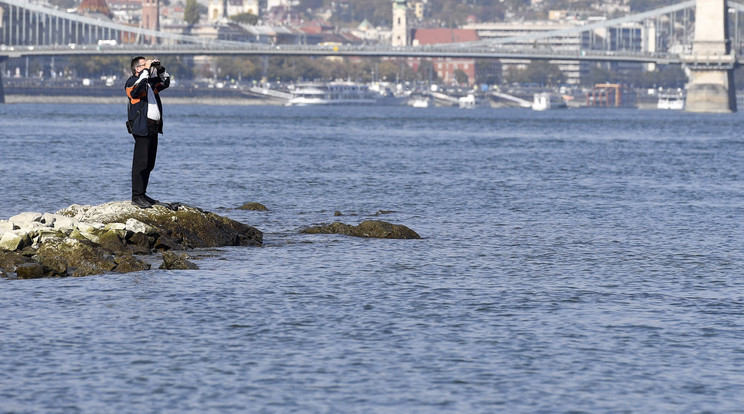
(141, 202)
(151, 200)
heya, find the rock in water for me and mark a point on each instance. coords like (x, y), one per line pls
(86, 240)
(187, 226)
(174, 261)
(253, 206)
(369, 228)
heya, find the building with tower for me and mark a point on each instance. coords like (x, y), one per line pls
(400, 36)
(151, 17)
(223, 9)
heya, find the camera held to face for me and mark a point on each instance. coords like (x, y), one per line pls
(155, 63)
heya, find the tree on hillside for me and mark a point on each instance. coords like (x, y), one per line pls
(310, 4)
(637, 6)
(245, 18)
(191, 12)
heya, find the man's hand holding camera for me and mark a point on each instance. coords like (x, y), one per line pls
(154, 64)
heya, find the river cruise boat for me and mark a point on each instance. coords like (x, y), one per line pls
(333, 93)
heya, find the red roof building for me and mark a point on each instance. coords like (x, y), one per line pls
(439, 36)
(446, 67)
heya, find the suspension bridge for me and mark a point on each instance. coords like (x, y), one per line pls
(694, 33)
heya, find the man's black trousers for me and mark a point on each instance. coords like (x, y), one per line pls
(143, 161)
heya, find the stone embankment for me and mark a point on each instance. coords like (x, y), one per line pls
(112, 237)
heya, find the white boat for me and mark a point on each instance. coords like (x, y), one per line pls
(333, 93)
(545, 100)
(673, 101)
(474, 101)
(420, 100)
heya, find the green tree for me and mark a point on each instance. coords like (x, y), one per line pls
(236, 67)
(487, 71)
(544, 73)
(394, 71)
(191, 12)
(426, 71)
(95, 66)
(599, 74)
(461, 77)
(177, 68)
(245, 18)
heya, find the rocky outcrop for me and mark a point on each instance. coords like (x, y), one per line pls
(369, 228)
(86, 240)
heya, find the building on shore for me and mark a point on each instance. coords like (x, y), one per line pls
(446, 68)
(221, 10)
(627, 37)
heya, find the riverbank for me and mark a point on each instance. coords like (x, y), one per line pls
(44, 99)
(101, 94)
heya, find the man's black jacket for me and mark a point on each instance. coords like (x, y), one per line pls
(137, 105)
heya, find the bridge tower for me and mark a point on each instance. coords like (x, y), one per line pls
(151, 17)
(711, 64)
(400, 23)
(2, 92)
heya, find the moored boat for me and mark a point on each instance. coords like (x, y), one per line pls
(333, 93)
(420, 100)
(672, 101)
(544, 101)
(473, 100)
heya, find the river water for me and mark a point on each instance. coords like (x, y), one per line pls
(571, 261)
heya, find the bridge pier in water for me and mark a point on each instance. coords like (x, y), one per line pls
(711, 64)
(2, 92)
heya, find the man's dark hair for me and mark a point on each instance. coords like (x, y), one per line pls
(135, 61)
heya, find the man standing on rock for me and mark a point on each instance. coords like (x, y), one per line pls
(145, 121)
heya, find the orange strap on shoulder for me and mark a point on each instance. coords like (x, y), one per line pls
(131, 98)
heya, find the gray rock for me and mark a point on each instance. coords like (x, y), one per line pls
(253, 206)
(48, 219)
(69, 257)
(6, 226)
(9, 261)
(25, 218)
(128, 263)
(370, 228)
(30, 271)
(140, 243)
(62, 222)
(175, 261)
(136, 226)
